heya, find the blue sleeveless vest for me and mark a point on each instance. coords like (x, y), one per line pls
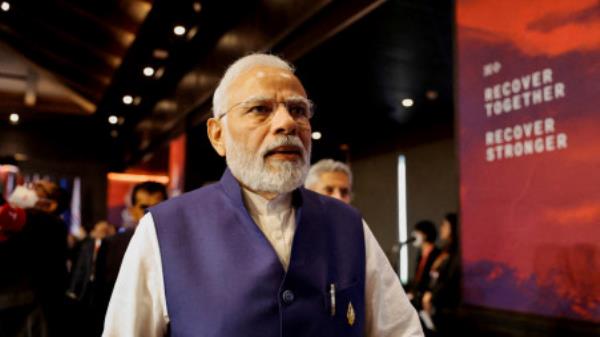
(223, 278)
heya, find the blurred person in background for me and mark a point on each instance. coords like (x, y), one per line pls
(84, 291)
(143, 196)
(110, 255)
(12, 220)
(331, 178)
(102, 229)
(443, 296)
(49, 233)
(34, 274)
(84, 270)
(74, 243)
(424, 235)
(20, 313)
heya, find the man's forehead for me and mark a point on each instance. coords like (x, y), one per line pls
(334, 175)
(261, 71)
(260, 76)
(144, 194)
(266, 82)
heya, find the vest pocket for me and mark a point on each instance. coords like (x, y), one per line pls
(348, 313)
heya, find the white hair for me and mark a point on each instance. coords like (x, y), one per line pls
(239, 67)
(324, 166)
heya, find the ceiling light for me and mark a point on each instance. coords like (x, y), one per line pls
(127, 99)
(160, 54)
(193, 31)
(112, 119)
(137, 178)
(114, 133)
(229, 40)
(179, 30)
(197, 6)
(14, 118)
(431, 95)
(5, 6)
(159, 72)
(407, 102)
(148, 71)
(316, 135)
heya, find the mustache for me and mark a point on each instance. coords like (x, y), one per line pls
(284, 141)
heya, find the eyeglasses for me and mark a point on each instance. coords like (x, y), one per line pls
(344, 191)
(262, 110)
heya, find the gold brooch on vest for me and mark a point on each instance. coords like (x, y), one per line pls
(350, 315)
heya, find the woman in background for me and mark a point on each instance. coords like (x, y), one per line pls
(443, 296)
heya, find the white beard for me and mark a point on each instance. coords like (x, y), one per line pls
(276, 176)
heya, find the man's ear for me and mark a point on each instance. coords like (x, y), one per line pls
(215, 130)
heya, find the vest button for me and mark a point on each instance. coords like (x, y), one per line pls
(288, 296)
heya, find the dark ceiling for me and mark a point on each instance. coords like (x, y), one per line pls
(80, 43)
(358, 59)
(359, 78)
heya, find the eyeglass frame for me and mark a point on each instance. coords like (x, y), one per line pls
(274, 104)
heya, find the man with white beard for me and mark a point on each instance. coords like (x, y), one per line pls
(256, 254)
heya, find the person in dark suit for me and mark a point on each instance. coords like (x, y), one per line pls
(84, 288)
(110, 255)
(143, 196)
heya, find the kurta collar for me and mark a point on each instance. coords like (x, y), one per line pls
(234, 190)
(258, 205)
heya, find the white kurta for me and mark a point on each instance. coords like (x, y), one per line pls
(138, 305)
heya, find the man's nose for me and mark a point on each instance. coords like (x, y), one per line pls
(283, 121)
(337, 194)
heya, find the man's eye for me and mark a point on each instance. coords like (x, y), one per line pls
(260, 109)
(298, 110)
